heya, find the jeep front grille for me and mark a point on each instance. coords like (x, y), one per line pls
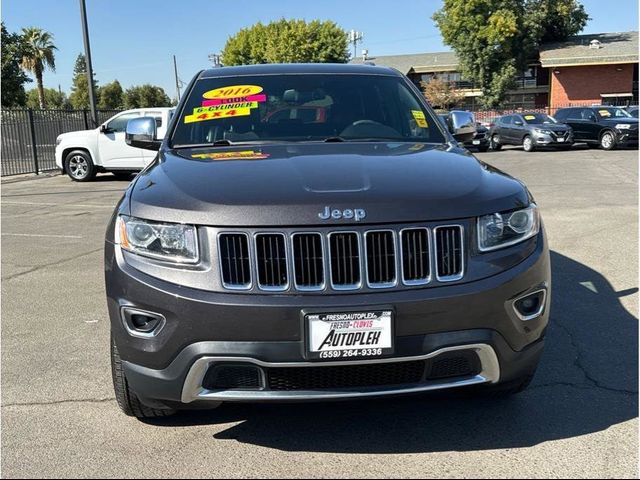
(344, 248)
(235, 264)
(341, 260)
(271, 259)
(449, 248)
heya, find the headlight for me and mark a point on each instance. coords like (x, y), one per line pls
(58, 140)
(503, 229)
(543, 132)
(172, 242)
(623, 126)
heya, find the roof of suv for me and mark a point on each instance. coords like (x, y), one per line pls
(298, 68)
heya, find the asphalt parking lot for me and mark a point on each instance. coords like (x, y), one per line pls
(579, 418)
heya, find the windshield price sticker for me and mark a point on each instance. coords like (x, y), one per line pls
(242, 155)
(420, 118)
(604, 113)
(349, 335)
(225, 102)
(529, 117)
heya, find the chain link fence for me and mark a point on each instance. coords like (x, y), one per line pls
(28, 137)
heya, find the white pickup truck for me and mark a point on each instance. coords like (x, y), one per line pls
(84, 153)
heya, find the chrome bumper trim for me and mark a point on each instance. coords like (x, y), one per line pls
(193, 390)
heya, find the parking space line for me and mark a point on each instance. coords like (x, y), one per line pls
(45, 204)
(38, 235)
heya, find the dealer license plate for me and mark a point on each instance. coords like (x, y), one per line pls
(350, 335)
(476, 142)
(561, 140)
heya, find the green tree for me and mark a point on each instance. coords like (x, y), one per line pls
(440, 94)
(53, 99)
(13, 78)
(80, 88)
(495, 39)
(37, 55)
(111, 96)
(287, 41)
(143, 96)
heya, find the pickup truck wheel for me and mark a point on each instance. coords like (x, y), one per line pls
(495, 143)
(127, 400)
(79, 166)
(527, 144)
(608, 141)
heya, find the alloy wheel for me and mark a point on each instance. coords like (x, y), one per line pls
(78, 167)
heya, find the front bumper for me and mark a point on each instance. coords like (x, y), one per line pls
(544, 140)
(203, 329)
(627, 138)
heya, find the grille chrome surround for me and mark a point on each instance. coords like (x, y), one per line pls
(280, 287)
(429, 254)
(417, 259)
(228, 285)
(323, 248)
(352, 286)
(457, 276)
(367, 270)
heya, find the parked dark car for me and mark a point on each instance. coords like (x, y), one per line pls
(531, 130)
(367, 254)
(603, 126)
(480, 140)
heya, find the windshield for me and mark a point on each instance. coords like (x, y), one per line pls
(304, 107)
(612, 112)
(538, 118)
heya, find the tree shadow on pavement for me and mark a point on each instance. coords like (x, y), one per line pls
(586, 383)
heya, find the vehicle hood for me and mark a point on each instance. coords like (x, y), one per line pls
(78, 134)
(290, 184)
(554, 127)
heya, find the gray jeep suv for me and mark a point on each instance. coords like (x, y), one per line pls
(344, 247)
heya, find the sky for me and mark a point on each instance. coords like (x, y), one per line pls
(134, 40)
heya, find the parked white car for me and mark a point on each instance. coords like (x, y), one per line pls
(84, 153)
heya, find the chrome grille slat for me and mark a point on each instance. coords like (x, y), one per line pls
(450, 258)
(235, 264)
(271, 261)
(339, 260)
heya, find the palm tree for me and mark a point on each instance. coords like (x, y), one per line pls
(38, 55)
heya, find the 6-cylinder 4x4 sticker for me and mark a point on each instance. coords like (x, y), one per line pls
(224, 102)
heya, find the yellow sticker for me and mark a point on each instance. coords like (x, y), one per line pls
(200, 114)
(232, 91)
(243, 155)
(529, 117)
(420, 119)
(604, 113)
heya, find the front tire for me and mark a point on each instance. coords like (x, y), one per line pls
(127, 400)
(527, 144)
(608, 141)
(79, 166)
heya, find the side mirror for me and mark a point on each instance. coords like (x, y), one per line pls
(463, 125)
(104, 128)
(141, 133)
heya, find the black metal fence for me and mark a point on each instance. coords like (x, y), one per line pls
(28, 137)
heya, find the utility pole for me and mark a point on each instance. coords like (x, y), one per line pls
(216, 59)
(354, 38)
(87, 54)
(175, 70)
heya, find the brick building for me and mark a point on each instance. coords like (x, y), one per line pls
(586, 69)
(590, 69)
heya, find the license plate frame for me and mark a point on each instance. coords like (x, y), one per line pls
(318, 325)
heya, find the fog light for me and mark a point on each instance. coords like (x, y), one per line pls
(140, 323)
(531, 305)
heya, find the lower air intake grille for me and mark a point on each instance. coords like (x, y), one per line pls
(449, 253)
(345, 260)
(234, 260)
(457, 364)
(224, 377)
(271, 258)
(348, 376)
